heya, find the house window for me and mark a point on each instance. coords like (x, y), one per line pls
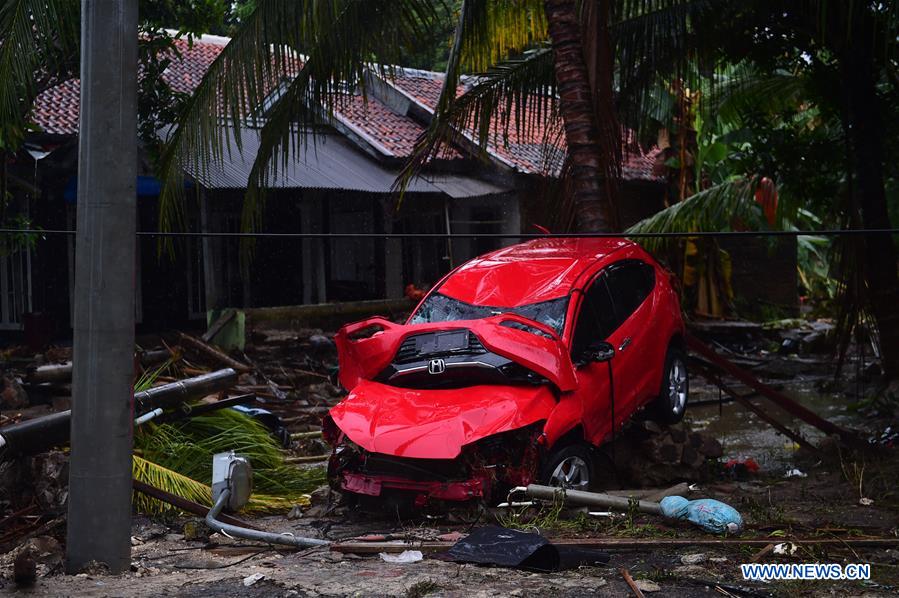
(15, 288)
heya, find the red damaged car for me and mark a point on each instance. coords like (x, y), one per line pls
(510, 371)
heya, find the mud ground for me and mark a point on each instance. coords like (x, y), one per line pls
(824, 504)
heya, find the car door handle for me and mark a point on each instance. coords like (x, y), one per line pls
(624, 344)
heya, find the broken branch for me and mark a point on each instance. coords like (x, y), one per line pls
(212, 352)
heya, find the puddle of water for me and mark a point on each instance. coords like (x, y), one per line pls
(742, 434)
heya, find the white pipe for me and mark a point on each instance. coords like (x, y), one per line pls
(2, 441)
(251, 534)
(146, 417)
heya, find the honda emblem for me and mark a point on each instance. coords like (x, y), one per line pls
(436, 366)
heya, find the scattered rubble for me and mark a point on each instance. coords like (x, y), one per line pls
(288, 373)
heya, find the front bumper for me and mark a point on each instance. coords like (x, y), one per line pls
(425, 491)
(483, 470)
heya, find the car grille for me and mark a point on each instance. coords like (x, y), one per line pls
(408, 352)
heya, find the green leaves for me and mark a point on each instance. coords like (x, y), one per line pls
(724, 207)
(38, 40)
(178, 457)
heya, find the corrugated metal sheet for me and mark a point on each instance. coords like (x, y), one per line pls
(328, 162)
(459, 187)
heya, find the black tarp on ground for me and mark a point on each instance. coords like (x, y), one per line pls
(499, 546)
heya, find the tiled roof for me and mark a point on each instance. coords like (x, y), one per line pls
(533, 150)
(392, 134)
(56, 109)
(184, 75)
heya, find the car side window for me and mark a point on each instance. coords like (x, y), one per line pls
(630, 282)
(596, 319)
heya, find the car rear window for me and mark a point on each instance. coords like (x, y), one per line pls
(442, 308)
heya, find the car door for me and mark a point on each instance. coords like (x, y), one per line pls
(633, 333)
(594, 321)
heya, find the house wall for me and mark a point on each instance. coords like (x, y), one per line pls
(287, 271)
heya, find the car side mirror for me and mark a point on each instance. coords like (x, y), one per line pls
(597, 352)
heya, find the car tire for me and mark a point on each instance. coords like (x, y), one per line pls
(669, 407)
(570, 466)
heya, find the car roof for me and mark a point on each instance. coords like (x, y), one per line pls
(529, 272)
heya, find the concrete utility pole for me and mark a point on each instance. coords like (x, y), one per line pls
(99, 522)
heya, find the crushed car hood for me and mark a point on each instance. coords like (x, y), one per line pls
(539, 349)
(436, 424)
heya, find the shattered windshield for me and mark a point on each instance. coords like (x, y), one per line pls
(441, 308)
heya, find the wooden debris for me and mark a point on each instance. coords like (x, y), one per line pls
(627, 543)
(185, 504)
(768, 549)
(217, 326)
(761, 413)
(213, 353)
(56, 373)
(630, 582)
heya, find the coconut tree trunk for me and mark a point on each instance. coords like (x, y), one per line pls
(592, 171)
(866, 140)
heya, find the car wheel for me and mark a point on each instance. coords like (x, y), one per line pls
(670, 405)
(570, 467)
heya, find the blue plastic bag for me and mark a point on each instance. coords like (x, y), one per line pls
(709, 514)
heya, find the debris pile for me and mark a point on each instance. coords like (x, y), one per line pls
(193, 398)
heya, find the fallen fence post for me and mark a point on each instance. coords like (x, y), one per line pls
(358, 547)
(794, 436)
(780, 399)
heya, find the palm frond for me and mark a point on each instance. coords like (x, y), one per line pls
(149, 377)
(656, 41)
(37, 37)
(493, 31)
(166, 479)
(753, 92)
(720, 208)
(187, 447)
(319, 50)
(519, 92)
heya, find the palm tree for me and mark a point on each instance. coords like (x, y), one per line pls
(586, 106)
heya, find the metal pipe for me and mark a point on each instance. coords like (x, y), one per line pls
(250, 534)
(44, 432)
(591, 499)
